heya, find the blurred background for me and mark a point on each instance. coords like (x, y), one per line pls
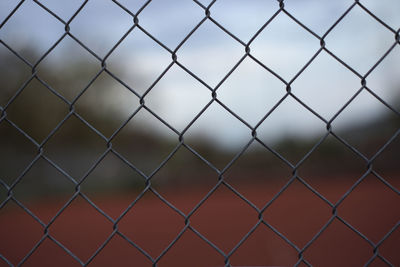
(69, 76)
(250, 91)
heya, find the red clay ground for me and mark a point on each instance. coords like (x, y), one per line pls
(224, 219)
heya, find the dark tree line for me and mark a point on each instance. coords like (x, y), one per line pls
(44, 102)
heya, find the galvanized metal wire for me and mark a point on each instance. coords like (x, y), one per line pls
(180, 135)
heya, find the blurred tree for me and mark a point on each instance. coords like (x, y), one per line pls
(37, 104)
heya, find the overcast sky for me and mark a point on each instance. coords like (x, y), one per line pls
(209, 53)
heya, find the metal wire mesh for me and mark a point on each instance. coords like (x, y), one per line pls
(180, 135)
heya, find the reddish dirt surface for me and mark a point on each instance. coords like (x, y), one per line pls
(224, 219)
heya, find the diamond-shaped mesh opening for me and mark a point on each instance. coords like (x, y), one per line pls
(49, 110)
(19, 32)
(19, 231)
(321, 170)
(275, 45)
(264, 248)
(55, 188)
(199, 133)
(209, 143)
(258, 174)
(72, 76)
(100, 39)
(375, 37)
(75, 147)
(212, 60)
(371, 217)
(154, 231)
(213, 219)
(113, 179)
(145, 141)
(138, 61)
(339, 245)
(372, 130)
(173, 180)
(295, 135)
(185, 98)
(81, 228)
(334, 87)
(101, 114)
(298, 204)
(251, 91)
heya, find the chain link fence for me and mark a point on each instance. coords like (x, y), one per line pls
(147, 178)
